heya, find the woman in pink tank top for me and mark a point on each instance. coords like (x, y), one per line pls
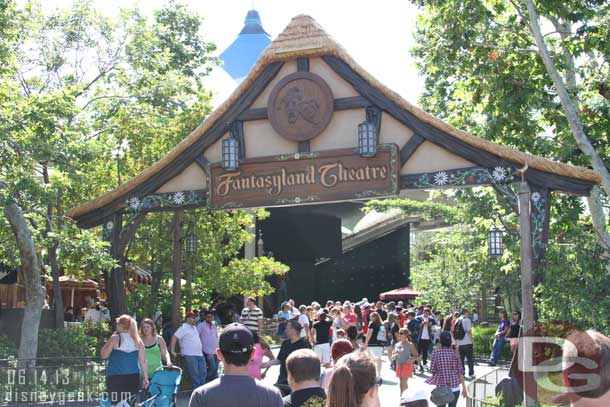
(261, 349)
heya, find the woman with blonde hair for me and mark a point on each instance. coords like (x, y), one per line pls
(354, 382)
(124, 350)
(155, 347)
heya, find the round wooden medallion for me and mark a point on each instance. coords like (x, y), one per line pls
(300, 106)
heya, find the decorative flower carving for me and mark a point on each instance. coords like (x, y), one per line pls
(536, 197)
(441, 178)
(134, 202)
(179, 198)
(499, 174)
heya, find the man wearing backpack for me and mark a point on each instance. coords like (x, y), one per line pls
(462, 332)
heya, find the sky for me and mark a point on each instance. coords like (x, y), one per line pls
(378, 35)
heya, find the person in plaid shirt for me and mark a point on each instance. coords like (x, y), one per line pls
(447, 369)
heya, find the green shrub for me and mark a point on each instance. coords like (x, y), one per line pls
(483, 343)
(7, 347)
(100, 331)
(65, 342)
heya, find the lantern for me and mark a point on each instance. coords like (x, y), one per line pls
(367, 139)
(191, 241)
(494, 241)
(230, 154)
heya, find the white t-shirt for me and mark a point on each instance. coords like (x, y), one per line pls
(93, 315)
(303, 320)
(190, 344)
(425, 330)
(467, 324)
(127, 344)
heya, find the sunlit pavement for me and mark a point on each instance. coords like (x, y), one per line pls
(389, 390)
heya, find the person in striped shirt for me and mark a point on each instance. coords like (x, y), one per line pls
(252, 316)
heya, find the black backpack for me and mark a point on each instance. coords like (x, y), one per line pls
(458, 330)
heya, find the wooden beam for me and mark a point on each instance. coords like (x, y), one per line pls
(373, 115)
(410, 147)
(218, 129)
(303, 64)
(353, 102)
(237, 131)
(259, 113)
(461, 177)
(202, 162)
(441, 138)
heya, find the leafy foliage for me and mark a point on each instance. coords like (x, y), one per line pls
(7, 347)
(483, 74)
(483, 338)
(427, 210)
(87, 102)
(54, 343)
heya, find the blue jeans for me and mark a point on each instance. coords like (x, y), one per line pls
(195, 366)
(497, 349)
(211, 362)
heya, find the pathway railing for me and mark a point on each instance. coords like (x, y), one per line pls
(62, 380)
(482, 390)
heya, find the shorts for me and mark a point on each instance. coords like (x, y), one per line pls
(405, 370)
(323, 352)
(375, 351)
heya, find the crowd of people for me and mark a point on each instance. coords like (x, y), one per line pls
(330, 355)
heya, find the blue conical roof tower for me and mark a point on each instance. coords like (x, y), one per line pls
(242, 54)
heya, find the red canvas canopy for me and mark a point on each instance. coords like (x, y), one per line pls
(399, 294)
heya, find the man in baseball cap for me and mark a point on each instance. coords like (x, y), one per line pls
(236, 387)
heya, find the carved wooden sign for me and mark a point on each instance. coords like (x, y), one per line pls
(300, 106)
(306, 178)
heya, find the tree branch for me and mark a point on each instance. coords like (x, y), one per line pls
(598, 218)
(509, 50)
(569, 107)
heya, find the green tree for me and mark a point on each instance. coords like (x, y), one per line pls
(488, 71)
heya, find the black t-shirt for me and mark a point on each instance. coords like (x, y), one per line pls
(394, 331)
(374, 328)
(313, 396)
(514, 330)
(322, 329)
(382, 313)
(285, 350)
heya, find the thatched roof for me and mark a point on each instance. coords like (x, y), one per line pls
(304, 37)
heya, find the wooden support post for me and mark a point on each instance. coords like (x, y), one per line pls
(177, 269)
(526, 281)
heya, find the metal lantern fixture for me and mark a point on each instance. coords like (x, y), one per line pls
(230, 153)
(367, 139)
(191, 240)
(494, 241)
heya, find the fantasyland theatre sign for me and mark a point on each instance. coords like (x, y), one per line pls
(303, 178)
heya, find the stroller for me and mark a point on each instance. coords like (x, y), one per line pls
(161, 391)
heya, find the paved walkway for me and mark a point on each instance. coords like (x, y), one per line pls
(388, 392)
